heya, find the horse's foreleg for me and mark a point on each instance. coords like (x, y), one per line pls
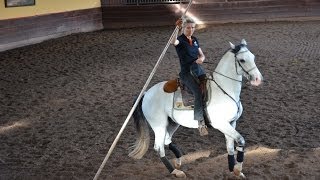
(240, 156)
(232, 135)
(234, 166)
(229, 130)
(230, 149)
(240, 147)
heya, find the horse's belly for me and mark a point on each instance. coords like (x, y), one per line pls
(185, 118)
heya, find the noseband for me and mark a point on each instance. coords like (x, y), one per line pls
(237, 60)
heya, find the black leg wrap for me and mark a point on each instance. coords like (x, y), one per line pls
(240, 156)
(167, 163)
(231, 162)
(175, 150)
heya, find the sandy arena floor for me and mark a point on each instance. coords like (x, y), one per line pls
(63, 101)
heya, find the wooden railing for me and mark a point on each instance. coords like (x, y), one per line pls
(140, 2)
(161, 12)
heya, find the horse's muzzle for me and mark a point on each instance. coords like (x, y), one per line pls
(255, 81)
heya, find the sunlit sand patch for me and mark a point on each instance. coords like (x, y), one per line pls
(15, 125)
(261, 151)
(254, 153)
(191, 157)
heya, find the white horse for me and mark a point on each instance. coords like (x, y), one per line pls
(224, 109)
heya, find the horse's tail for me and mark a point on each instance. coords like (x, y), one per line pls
(142, 143)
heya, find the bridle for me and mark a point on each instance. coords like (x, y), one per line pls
(243, 69)
(236, 60)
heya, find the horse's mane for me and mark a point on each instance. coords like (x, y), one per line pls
(236, 49)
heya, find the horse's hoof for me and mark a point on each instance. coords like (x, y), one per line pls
(242, 176)
(236, 172)
(178, 173)
(237, 169)
(176, 164)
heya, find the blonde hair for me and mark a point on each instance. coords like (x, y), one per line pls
(187, 20)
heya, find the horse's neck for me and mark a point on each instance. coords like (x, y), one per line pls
(227, 67)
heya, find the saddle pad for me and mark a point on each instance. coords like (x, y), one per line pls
(187, 102)
(178, 101)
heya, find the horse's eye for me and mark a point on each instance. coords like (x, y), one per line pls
(242, 60)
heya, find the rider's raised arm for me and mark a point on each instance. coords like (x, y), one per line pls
(174, 39)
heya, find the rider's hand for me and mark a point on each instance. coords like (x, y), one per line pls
(199, 61)
(179, 23)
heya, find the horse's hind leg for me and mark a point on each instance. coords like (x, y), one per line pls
(160, 134)
(171, 129)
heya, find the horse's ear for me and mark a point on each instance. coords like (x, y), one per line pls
(232, 45)
(244, 42)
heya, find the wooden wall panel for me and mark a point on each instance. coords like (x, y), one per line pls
(23, 31)
(209, 11)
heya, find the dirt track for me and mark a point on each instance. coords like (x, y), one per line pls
(62, 102)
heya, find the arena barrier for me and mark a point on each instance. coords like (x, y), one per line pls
(141, 2)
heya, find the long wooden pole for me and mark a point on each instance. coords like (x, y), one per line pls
(138, 99)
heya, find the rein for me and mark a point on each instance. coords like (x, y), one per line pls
(227, 76)
(236, 60)
(237, 103)
(246, 71)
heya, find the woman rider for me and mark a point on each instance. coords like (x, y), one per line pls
(191, 57)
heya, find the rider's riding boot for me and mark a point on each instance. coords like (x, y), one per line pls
(202, 128)
(203, 87)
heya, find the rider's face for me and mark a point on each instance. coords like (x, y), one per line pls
(189, 29)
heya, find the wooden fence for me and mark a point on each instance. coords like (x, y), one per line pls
(118, 14)
(134, 13)
(140, 2)
(29, 30)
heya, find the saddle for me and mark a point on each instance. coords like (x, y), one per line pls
(183, 98)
